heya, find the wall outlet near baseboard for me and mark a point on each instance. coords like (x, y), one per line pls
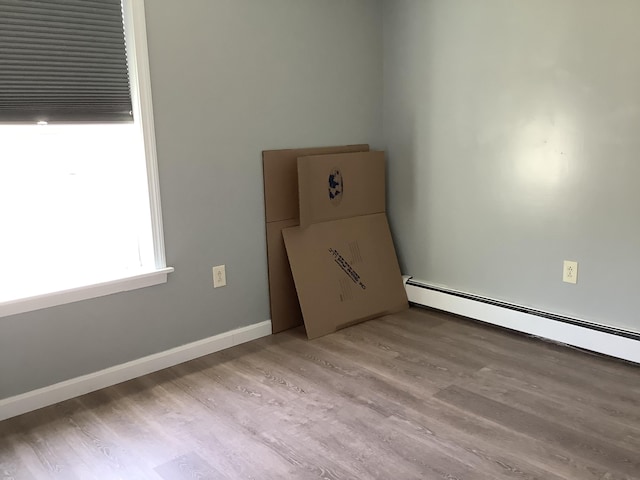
(570, 272)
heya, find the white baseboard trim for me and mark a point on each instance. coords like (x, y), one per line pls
(589, 339)
(43, 397)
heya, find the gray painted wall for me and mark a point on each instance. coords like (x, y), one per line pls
(230, 78)
(513, 138)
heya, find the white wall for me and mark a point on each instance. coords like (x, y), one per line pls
(512, 131)
(230, 78)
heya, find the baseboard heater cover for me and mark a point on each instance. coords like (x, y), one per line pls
(595, 337)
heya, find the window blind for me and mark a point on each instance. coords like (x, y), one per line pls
(63, 61)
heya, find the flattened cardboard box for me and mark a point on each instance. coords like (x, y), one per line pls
(285, 309)
(344, 263)
(281, 210)
(281, 178)
(338, 186)
(345, 272)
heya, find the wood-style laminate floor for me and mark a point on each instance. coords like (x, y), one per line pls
(421, 395)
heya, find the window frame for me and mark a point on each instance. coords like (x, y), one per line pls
(140, 80)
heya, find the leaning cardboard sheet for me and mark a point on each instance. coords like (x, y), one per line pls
(342, 256)
(281, 211)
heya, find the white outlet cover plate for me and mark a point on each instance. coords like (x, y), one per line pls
(570, 272)
(219, 276)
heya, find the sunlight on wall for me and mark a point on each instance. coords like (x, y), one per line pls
(73, 207)
(542, 148)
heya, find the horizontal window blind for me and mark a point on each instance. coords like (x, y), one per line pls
(63, 61)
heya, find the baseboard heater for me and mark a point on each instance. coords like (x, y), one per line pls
(612, 341)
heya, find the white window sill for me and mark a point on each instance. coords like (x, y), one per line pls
(85, 292)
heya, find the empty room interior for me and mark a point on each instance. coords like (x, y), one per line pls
(333, 239)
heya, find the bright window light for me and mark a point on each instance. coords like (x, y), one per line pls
(74, 207)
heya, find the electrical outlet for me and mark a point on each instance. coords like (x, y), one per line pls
(219, 276)
(570, 272)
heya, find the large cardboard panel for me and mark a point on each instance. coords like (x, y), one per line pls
(342, 185)
(285, 309)
(281, 178)
(345, 272)
(281, 205)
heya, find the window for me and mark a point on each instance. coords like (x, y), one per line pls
(79, 203)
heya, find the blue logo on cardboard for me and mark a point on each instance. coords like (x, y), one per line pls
(336, 186)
